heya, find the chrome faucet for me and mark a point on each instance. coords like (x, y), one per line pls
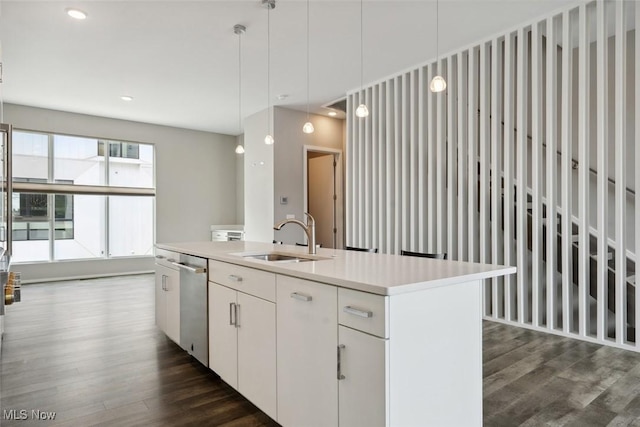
(309, 228)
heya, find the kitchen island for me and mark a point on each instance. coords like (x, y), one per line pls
(346, 338)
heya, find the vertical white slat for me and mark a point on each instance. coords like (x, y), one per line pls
(472, 116)
(485, 150)
(621, 175)
(406, 161)
(414, 218)
(368, 187)
(496, 174)
(551, 172)
(583, 172)
(441, 219)
(566, 160)
(361, 178)
(521, 197)
(375, 188)
(637, 172)
(536, 175)
(422, 158)
(391, 168)
(602, 136)
(382, 168)
(452, 142)
(431, 170)
(399, 201)
(508, 141)
(349, 193)
(463, 188)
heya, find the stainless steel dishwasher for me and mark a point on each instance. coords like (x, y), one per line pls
(194, 337)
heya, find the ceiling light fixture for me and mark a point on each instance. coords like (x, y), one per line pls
(76, 13)
(308, 126)
(239, 30)
(362, 110)
(438, 83)
(126, 98)
(332, 113)
(270, 4)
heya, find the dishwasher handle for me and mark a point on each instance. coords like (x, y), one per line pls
(197, 270)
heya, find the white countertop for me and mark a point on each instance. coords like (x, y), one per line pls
(375, 273)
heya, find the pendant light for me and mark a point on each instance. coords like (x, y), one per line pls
(438, 83)
(239, 30)
(362, 110)
(270, 4)
(308, 126)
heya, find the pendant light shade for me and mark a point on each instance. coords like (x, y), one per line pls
(438, 84)
(268, 140)
(362, 111)
(239, 149)
(308, 128)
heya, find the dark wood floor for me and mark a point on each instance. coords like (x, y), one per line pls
(89, 351)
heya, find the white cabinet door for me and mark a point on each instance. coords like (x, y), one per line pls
(363, 398)
(168, 301)
(172, 292)
(307, 356)
(257, 352)
(223, 337)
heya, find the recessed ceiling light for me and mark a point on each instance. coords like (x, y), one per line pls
(332, 113)
(76, 13)
(126, 98)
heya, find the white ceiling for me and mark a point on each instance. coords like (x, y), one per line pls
(179, 59)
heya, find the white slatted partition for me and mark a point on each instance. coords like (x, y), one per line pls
(525, 159)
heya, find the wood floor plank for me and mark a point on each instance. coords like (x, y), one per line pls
(89, 350)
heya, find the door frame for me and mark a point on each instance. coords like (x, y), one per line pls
(339, 187)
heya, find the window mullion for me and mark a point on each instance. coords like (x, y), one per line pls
(51, 198)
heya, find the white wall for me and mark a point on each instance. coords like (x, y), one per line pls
(258, 180)
(289, 160)
(195, 181)
(275, 171)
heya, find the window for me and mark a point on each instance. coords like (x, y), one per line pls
(70, 202)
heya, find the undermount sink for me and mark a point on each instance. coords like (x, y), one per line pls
(282, 257)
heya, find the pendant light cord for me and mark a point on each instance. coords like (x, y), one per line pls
(361, 52)
(307, 60)
(437, 30)
(239, 83)
(269, 69)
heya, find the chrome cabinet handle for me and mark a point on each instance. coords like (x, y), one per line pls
(236, 311)
(356, 312)
(301, 297)
(159, 256)
(235, 278)
(340, 376)
(164, 282)
(231, 310)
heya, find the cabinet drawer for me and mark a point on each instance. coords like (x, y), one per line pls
(167, 258)
(261, 284)
(365, 312)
